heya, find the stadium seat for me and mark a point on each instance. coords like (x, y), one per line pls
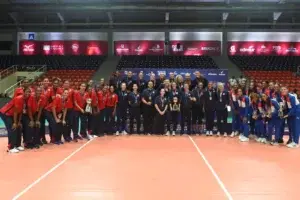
(203, 62)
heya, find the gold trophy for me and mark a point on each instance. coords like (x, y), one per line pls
(88, 107)
(175, 105)
(254, 114)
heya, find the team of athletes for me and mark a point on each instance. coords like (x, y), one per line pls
(165, 105)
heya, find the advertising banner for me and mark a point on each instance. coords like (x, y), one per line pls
(215, 75)
(142, 47)
(195, 48)
(31, 47)
(264, 48)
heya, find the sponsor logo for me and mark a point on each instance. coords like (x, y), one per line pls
(28, 48)
(93, 50)
(122, 48)
(161, 72)
(192, 49)
(232, 49)
(212, 74)
(222, 73)
(46, 47)
(276, 48)
(210, 48)
(292, 49)
(75, 47)
(138, 49)
(263, 48)
(174, 48)
(249, 49)
(156, 48)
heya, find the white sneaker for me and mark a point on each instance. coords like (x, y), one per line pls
(236, 133)
(14, 150)
(173, 133)
(274, 143)
(89, 137)
(167, 133)
(258, 139)
(263, 140)
(124, 133)
(292, 145)
(218, 134)
(94, 136)
(210, 133)
(117, 133)
(244, 139)
(232, 134)
(20, 148)
(225, 134)
(240, 136)
(207, 133)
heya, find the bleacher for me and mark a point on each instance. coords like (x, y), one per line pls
(76, 69)
(200, 62)
(53, 62)
(266, 63)
(272, 68)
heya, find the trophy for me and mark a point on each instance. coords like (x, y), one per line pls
(88, 107)
(254, 114)
(269, 113)
(175, 105)
(280, 112)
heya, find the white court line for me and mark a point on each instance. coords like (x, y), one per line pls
(50, 171)
(228, 195)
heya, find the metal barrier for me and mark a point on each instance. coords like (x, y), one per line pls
(8, 71)
(10, 91)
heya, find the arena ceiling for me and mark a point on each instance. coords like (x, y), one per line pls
(149, 14)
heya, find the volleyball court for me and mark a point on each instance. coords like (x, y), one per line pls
(151, 168)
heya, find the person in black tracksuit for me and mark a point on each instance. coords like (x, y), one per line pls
(129, 81)
(210, 99)
(161, 106)
(221, 109)
(134, 100)
(141, 82)
(148, 108)
(197, 108)
(122, 108)
(186, 105)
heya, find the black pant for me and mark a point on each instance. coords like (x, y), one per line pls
(70, 123)
(209, 119)
(100, 123)
(148, 117)
(186, 116)
(121, 118)
(57, 128)
(109, 120)
(197, 114)
(222, 120)
(14, 136)
(83, 122)
(43, 127)
(159, 124)
(135, 114)
(174, 115)
(32, 133)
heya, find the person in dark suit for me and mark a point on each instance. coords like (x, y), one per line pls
(210, 99)
(221, 109)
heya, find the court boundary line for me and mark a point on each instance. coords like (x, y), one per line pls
(220, 182)
(30, 186)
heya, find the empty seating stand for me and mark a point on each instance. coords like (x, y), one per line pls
(76, 69)
(201, 62)
(271, 68)
(266, 63)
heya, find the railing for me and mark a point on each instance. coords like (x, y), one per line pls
(37, 68)
(8, 71)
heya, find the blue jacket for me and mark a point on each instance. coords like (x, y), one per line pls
(244, 106)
